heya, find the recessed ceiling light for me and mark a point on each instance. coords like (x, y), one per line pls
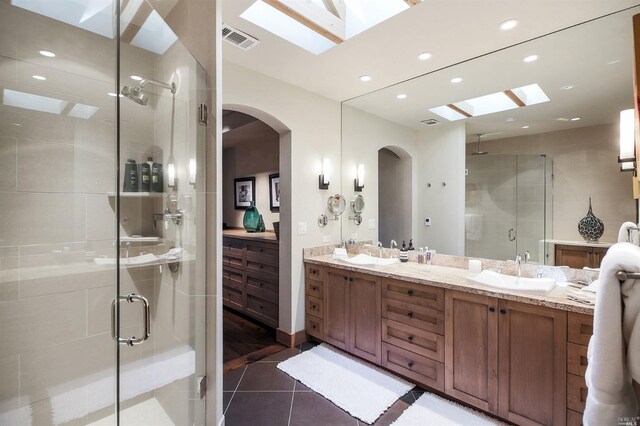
(365, 78)
(526, 127)
(615, 61)
(136, 78)
(456, 79)
(530, 58)
(17, 124)
(401, 96)
(576, 119)
(562, 119)
(509, 24)
(424, 56)
(510, 119)
(39, 77)
(47, 54)
(567, 87)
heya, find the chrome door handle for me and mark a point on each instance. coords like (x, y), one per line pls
(132, 341)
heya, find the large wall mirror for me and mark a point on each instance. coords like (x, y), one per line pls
(499, 155)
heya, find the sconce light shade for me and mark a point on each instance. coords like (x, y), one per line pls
(358, 182)
(171, 175)
(627, 156)
(192, 171)
(325, 177)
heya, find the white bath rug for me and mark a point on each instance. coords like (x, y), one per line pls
(359, 388)
(431, 410)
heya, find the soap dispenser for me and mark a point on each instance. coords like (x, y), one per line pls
(404, 254)
(411, 245)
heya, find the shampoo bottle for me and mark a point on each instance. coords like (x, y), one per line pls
(144, 175)
(156, 178)
(130, 183)
(404, 254)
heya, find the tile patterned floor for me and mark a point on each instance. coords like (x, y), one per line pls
(261, 395)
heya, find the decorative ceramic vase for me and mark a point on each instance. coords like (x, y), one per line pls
(261, 227)
(590, 227)
(276, 229)
(251, 218)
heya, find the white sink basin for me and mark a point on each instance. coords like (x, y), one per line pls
(508, 282)
(366, 260)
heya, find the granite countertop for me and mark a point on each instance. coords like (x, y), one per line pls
(253, 236)
(455, 279)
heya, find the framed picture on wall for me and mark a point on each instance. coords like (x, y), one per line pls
(244, 192)
(274, 192)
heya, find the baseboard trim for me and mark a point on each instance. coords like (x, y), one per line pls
(290, 340)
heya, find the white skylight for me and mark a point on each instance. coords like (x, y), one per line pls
(17, 99)
(364, 14)
(495, 102)
(82, 111)
(155, 35)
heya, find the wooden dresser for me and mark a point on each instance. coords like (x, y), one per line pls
(250, 275)
(579, 256)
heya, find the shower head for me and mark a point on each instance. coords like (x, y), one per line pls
(478, 152)
(136, 95)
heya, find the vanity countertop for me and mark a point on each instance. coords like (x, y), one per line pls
(455, 279)
(253, 236)
(580, 243)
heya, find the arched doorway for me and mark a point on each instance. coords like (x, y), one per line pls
(395, 199)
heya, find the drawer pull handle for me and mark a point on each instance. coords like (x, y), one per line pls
(345, 277)
(261, 250)
(314, 271)
(492, 309)
(261, 266)
(314, 326)
(261, 307)
(410, 292)
(260, 284)
(410, 364)
(503, 311)
(584, 360)
(410, 314)
(410, 338)
(314, 288)
(350, 279)
(314, 307)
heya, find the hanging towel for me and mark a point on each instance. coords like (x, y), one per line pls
(473, 226)
(628, 233)
(614, 349)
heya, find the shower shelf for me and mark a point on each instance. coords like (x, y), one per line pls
(137, 194)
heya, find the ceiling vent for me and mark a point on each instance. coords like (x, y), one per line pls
(236, 37)
(430, 122)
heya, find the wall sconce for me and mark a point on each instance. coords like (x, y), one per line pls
(325, 177)
(192, 171)
(358, 182)
(171, 175)
(627, 158)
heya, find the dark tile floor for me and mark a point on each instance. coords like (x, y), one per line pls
(260, 394)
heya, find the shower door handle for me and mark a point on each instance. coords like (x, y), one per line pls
(512, 234)
(131, 298)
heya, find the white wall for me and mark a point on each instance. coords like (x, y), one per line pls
(314, 125)
(441, 158)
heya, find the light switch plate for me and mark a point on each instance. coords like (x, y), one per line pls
(326, 238)
(302, 228)
(372, 224)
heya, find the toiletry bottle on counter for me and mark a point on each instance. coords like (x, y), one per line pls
(429, 256)
(404, 254)
(420, 255)
(411, 245)
(144, 175)
(156, 177)
(130, 183)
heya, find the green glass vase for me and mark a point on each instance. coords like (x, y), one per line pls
(251, 218)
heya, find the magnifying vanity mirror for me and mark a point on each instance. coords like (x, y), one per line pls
(336, 204)
(357, 207)
(546, 113)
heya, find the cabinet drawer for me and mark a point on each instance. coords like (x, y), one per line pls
(232, 262)
(574, 418)
(314, 288)
(315, 307)
(422, 342)
(417, 316)
(231, 243)
(264, 289)
(579, 328)
(576, 393)
(314, 327)
(232, 278)
(232, 297)
(267, 258)
(313, 272)
(576, 359)
(423, 370)
(415, 294)
(263, 248)
(258, 268)
(263, 310)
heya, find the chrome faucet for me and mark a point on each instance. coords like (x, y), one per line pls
(379, 245)
(527, 256)
(519, 263)
(393, 244)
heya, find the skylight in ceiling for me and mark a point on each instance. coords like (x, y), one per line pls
(364, 14)
(33, 102)
(496, 102)
(155, 35)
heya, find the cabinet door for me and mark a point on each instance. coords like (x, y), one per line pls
(364, 316)
(597, 254)
(532, 374)
(471, 349)
(336, 304)
(573, 256)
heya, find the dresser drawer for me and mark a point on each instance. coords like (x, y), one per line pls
(314, 288)
(233, 243)
(422, 342)
(574, 418)
(423, 370)
(267, 249)
(314, 327)
(259, 268)
(269, 257)
(232, 262)
(232, 278)
(313, 272)
(264, 289)
(416, 316)
(315, 307)
(579, 328)
(415, 294)
(576, 359)
(232, 297)
(263, 310)
(576, 393)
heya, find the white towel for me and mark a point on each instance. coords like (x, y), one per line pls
(628, 233)
(473, 226)
(614, 349)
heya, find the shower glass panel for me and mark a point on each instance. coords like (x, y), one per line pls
(73, 243)
(508, 205)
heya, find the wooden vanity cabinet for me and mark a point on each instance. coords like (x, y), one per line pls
(579, 331)
(517, 353)
(579, 256)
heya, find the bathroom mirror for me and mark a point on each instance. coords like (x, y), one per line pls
(357, 204)
(336, 204)
(546, 112)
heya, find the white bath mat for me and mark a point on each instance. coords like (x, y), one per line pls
(431, 410)
(360, 389)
